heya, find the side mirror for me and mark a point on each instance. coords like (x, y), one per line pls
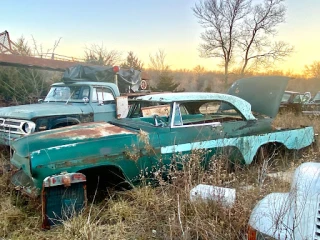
(40, 100)
(85, 100)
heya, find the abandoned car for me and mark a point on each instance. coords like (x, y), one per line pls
(313, 106)
(157, 129)
(294, 101)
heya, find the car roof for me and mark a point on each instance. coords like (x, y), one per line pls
(186, 96)
(239, 103)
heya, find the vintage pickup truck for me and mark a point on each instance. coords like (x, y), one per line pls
(87, 94)
(157, 129)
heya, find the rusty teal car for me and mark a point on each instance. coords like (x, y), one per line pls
(158, 127)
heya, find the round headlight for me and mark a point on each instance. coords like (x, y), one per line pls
(28, 127)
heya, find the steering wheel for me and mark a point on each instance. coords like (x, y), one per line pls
(158, 121)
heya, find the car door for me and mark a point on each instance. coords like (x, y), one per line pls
(103, 103)
(205, 129)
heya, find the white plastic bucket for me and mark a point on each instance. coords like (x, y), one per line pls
(226, 196)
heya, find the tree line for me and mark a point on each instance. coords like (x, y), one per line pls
(237, 32)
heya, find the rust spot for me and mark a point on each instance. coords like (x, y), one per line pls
(87, 130)
(91, 160)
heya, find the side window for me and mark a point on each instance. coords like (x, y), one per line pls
(205, 113)
(177, 120)
(85, 92)
(101, 94)
(297, 99)
(285, 97)
(183, 110)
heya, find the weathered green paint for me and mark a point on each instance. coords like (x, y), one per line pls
(261, 92)
(136, 145)
(53, 113)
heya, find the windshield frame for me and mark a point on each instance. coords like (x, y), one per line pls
(68, 93)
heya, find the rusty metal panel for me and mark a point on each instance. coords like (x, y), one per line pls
(33, 62)
(122, 106)
(63, 196)
(87, 131)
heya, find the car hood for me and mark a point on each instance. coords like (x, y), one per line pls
(68, 135)
(38, 110)
(263, 93)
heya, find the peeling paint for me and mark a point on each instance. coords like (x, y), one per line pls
(89, 130)
(249, 145)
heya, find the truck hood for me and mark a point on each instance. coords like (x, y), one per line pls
(38, 110)
(263, 93)
(68, 135)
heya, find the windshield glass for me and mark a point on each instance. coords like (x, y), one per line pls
(298, 98)
(67, 93)
(285, 97)
(317, 97)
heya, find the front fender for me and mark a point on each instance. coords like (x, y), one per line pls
(80, 156)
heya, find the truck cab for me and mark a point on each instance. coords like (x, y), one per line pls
(66, 104)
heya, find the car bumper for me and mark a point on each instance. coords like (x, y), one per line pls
(7, 138)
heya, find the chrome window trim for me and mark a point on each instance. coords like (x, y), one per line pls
(175, 104)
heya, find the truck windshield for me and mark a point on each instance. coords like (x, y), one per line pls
(67, 94)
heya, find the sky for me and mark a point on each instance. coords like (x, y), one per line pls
(144, 27)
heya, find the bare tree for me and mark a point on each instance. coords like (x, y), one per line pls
(26, 85)
(157, 61)
(258, 26)
(164, 80)
(221, 20)
(38, 49)
(22, 47)
(235, 28)
(98, 54)
(199, 70)
(312, 70)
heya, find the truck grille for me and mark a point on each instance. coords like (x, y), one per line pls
(14, 126)
(317, 221)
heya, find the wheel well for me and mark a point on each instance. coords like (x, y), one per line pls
(103, 179)
(270, 151)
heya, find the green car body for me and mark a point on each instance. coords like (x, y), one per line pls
(158, 128)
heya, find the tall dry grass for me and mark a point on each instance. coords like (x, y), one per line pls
(165, 211)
